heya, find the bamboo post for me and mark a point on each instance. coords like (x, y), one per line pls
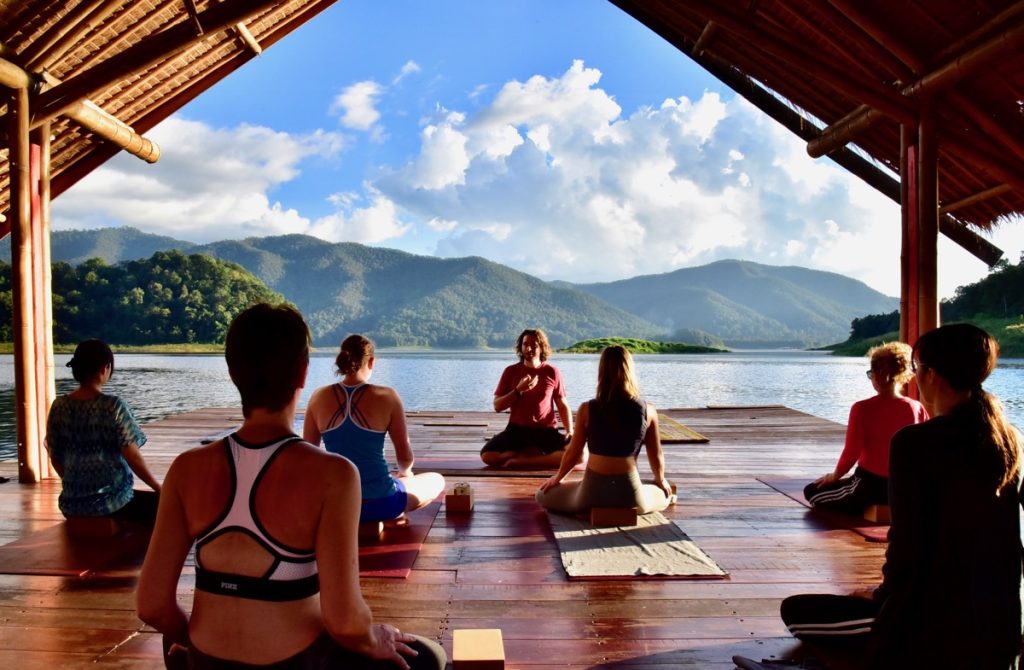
(46, 383)
(25, 413)
(928, 221)
(904, 240)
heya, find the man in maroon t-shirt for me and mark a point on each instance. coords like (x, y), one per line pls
(532, 390)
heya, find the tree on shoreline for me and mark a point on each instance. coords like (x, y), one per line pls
(169, 298)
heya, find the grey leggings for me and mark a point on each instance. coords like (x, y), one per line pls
(598, 490)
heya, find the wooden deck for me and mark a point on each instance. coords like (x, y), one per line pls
(498, 567)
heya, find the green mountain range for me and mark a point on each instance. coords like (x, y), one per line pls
(748, 304)
(402, 299)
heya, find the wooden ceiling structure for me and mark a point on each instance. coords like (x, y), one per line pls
(930, 92)
(81, 81)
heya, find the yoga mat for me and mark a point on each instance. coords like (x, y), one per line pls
(395, 552)
(655, 548)
(673, 431)
(792, 487)
(52, 551)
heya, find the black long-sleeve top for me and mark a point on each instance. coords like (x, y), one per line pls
(951, 590)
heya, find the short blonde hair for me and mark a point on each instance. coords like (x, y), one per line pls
(890, 362)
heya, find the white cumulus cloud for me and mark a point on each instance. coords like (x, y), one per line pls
(357, 105)
(210, 183)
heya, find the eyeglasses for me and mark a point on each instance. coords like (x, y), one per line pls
(869, 373)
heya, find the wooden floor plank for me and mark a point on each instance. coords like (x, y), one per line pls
(498, 566)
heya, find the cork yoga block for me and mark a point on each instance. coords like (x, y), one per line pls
(612, 516)
(877, 513)
(478, 649)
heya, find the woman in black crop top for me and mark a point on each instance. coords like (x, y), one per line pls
(614, 425)
(277, 582)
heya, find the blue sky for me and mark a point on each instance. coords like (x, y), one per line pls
(562, 138)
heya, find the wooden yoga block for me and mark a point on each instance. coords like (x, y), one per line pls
(458, 503)
(478, 649)
(612, 516)
(371, 531)
(93, 526)
(877, 513)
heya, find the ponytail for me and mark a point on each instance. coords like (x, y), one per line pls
(1003, 436)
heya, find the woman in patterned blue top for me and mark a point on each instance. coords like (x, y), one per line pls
(94, 441)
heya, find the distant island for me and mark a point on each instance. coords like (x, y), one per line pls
(596, 345)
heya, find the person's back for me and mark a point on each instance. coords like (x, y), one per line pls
(357, 432)
(287, 503)
(953, 573)
(274, 522)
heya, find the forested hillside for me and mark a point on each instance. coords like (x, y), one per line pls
(401, 299)
(748, 304)
(168, 298)
(995, 303)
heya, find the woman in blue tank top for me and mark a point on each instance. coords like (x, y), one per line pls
(614, 426)
(352, 418)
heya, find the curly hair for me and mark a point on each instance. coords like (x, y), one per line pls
(890, 362)
(542, 343)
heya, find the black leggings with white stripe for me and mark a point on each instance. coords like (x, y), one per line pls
(851, 495)
(823, 617)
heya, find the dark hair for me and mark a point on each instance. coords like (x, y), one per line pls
(90, 357)
(542, 343)
(964, 355)
(267, 350)
(355, 350)
(615, 376)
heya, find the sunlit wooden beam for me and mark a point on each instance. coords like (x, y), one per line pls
(143, 55)
(981, 196)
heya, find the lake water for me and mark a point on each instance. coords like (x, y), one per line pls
(814, 382)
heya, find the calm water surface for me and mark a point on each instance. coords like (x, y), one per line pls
(813, 382)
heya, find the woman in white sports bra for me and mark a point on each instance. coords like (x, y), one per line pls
(352, 417)
(274, 523)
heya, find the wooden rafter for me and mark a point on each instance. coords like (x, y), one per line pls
(952, 71)
(816, 67)
(141, 56)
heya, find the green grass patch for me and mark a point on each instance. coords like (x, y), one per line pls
(637, 346)
(1008, 332)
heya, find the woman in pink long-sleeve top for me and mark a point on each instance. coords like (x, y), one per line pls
(872, 424)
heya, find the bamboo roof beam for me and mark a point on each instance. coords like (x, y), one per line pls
(193, 15)
(89, 116)
(66, 32)
(70, 175)
(981, 196)
(113, 130)
(878, 96)
(852, 12)
(947, 75)
(13, 76)
(141, 56)
(249, 40)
